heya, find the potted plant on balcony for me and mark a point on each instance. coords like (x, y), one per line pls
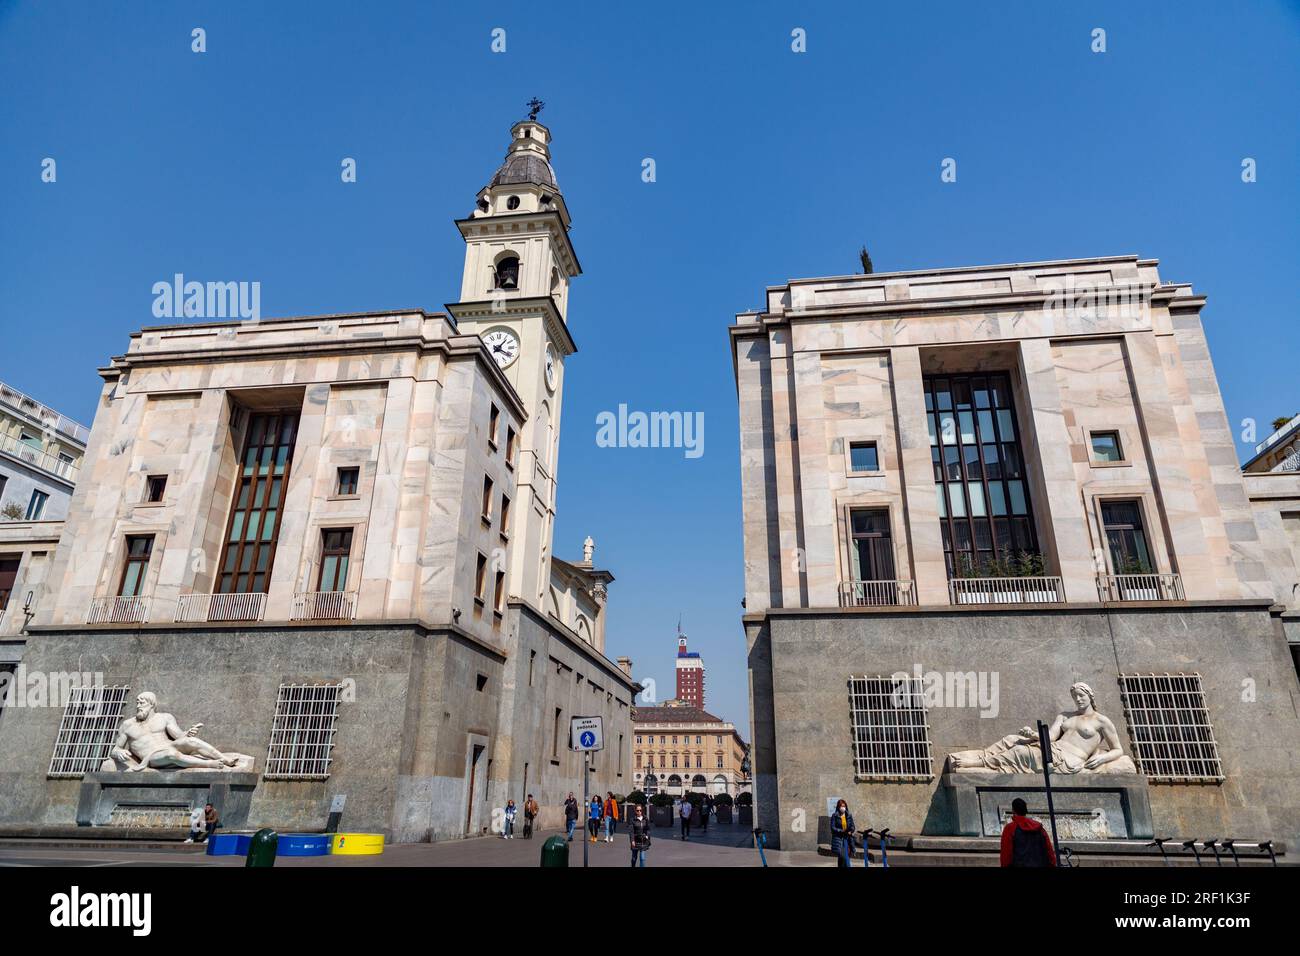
(1018, 565)
(722, 807)
(745, 809)
(661, 810)
(1138, 582)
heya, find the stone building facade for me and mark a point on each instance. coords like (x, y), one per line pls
(1021, 474)
(329, 540)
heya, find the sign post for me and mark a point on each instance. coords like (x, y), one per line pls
(586, 734)
(1045, 745)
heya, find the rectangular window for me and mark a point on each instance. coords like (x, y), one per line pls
(872, 548)
(1173, 740)
(985, 515)
(863, 456)
(8, 577)
(505, 516)
(532, 659)
(1126, 539)
(348, 480)
(510, 446)
(30, 440)
(154, 488)
(139, 549)
(258, 504)
(499, 596)
(487, 499)
(719, 761)
(88, 729)
(302, 732)
(891, 732)
(1105, 447)
(480, 579)
(36, 507)
(336, 550)
(494, 425)
(555, 735)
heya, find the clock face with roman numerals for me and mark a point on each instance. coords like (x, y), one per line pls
(503, 344)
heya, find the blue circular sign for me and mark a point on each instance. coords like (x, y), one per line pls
(588, 739)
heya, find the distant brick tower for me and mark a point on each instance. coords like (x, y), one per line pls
(690, 674)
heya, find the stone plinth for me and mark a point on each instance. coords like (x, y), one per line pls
(230, 794)
(1088, 806)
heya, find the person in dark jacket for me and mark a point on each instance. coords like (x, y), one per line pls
(842, 834)
(1024, 841)
(706, 807)
(638, 832)
(570, 814)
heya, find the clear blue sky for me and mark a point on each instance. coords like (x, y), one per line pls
(770, 165)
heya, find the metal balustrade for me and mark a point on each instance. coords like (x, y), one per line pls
(118, 610)
(1140, 587)
(877, 593)
(1032, 590)
(33, 456)
(198, 608)
(324, 606)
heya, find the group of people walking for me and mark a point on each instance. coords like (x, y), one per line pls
(530, 815)
(602, 817)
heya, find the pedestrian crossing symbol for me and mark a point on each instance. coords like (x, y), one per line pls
(586, 733)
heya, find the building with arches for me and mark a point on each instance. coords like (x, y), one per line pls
(677, 747)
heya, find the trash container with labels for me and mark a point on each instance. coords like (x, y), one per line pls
(555, 852)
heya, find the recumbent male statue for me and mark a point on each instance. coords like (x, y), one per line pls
(1083, 741)
(153, 741)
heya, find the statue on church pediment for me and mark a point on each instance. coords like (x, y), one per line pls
(154, 741)
(1083, 741)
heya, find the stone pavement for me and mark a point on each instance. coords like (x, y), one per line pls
(727, 846)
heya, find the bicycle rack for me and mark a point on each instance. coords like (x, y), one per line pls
(1191, 845)
(1160, 842)
(1228, 845)
(1213, 845)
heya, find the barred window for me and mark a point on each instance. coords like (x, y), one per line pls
(302, 733)
(88, 729)
(891, 733)
(1173, 739)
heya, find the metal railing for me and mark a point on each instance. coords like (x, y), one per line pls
(248, 606)
(34, 456)
(877, 593)
(1035, 590)
(324, 606)
(118, 610)
(42, 413)
(1140, 587)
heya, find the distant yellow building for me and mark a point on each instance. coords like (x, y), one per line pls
(678, 748)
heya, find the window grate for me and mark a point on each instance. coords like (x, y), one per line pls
(891, 731)
(87, 730)
(1169, 723)
(302, 732)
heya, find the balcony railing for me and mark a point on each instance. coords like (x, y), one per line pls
(1036, 590)
(877, 593)
(118, 610)
(197, 608)
(325, 605)
(16, 448)
(42, 413)
(1140, 587)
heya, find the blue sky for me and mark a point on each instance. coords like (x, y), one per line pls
(770, 165)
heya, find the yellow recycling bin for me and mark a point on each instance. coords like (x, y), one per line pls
(357, 844)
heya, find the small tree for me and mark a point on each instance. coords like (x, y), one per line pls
(12, 511)
(745, 799)
(637, 796)
(723, 800)
(661, 800)
(1279, 422)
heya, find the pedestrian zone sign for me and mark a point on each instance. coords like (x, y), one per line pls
(586, 733)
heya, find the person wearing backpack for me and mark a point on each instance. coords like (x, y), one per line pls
(1024, 841)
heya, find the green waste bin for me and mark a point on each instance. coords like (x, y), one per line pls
(261, 849)
(555, 852)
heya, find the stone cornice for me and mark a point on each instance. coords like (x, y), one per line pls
(513, 223)
(488, 310)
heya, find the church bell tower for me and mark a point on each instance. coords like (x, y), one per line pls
(514, 295)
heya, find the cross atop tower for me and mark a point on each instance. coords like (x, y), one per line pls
(535, 106)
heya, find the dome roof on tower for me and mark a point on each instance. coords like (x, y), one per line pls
(524, 167)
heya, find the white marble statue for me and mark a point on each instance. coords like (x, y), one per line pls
(153, 741)
(1083, 741)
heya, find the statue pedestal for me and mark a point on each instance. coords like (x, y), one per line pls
(163, 798)
(1093, 806)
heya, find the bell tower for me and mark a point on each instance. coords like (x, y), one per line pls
(515, 295)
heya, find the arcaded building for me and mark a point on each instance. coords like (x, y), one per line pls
(1019, 479)
(328, 539)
